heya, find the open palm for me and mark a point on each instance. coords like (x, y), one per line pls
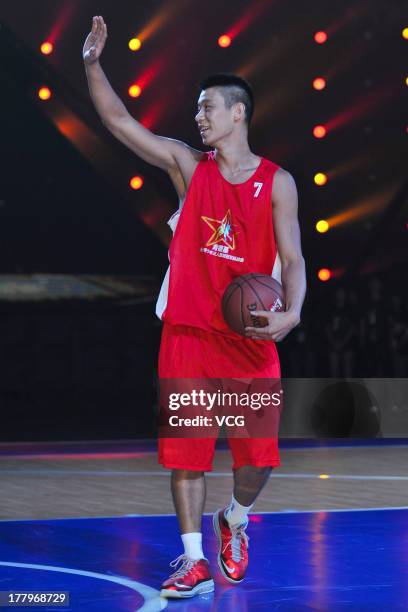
(95, 41)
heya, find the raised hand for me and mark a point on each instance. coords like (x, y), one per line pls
(95, 41)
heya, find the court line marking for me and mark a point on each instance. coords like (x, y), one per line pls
(152, 601)
(289, 511)
(126, 516)
(77, 455)
(209, 474)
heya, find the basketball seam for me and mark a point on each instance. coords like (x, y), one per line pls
(281, 299)
(264, 284)
(240, 310)
(256, 293)
(230, 295)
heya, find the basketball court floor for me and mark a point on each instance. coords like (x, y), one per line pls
(330, 531)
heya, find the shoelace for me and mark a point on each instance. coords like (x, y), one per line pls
(238, 533)
(186, 565)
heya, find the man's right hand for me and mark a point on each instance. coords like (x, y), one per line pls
(175, 157)
(95, 41)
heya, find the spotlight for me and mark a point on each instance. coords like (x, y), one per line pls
(319, 83)
(135, 91)
(319, 131)
(324, 274)
(44, 93)
(322, 226)
(136, 182)
(405, 33)
(320, 178)
(47, 48)
(320, 37)
(134, 44)
(224, 41)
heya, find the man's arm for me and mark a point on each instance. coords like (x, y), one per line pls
(287, 235)
(177, 158)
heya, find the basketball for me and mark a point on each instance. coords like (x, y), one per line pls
(247, 293)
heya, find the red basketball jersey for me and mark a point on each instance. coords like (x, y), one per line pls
(224, 230)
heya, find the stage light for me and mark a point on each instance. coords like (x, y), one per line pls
(134, 44)
(136, 182)
(44, 93)
(135, 91)
(319, 131)
(324, 274)
(224, 41)
(319, 83)
(47, 48)
(320, 37)
(322, 226)
(406, 80)
(405, 33)
(320, 178)
(324, 476)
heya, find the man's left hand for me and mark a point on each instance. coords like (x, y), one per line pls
(279, 325)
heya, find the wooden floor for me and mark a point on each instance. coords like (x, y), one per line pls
(91, 485)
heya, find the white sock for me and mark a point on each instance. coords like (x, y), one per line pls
(236, 513)
(192, 545)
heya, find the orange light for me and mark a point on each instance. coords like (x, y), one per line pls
(319, 131)
(324, 274)
(405, 33)
(224, 41)
(47, 48)
(135, 91)
(320, 37)
(319, 83)
(320, 178)
(136, 182)
(322, 226)
(135, 44)
(44, 93)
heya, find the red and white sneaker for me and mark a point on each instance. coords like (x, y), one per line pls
(233, 548)
(192, 578)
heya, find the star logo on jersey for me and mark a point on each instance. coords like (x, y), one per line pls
(222, 231)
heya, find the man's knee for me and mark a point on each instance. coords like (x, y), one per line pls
(256, 469)
(261, 471)
(179, 475)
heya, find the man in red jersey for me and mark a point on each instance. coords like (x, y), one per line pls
(238, 214)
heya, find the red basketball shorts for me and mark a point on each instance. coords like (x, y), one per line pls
(189, 352)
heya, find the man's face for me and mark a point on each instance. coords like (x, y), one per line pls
(214, 120)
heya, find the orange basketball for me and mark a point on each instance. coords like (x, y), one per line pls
(247, 293)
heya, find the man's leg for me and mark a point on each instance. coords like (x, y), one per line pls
(193, 576)
(181, 362)
(249, 482)
(188, 489)
(230, 523)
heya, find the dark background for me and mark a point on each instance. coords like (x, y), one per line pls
(69, 365)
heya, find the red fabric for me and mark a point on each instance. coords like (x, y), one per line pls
(187, 352)
(203, 258)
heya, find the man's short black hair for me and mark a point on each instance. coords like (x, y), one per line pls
(234, 89)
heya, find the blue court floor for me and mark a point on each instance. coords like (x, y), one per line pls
(331, 561)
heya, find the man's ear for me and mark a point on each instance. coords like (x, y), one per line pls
(239, 111)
